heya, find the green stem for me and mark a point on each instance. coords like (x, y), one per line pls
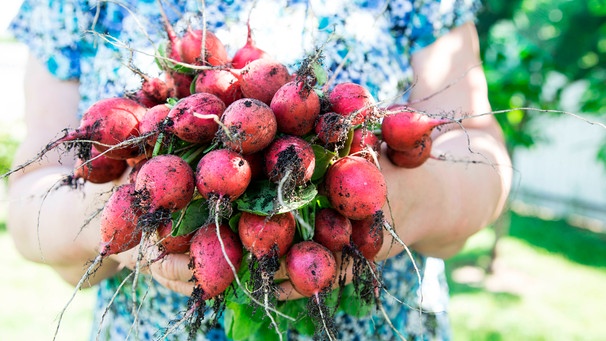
(158, 144)
(191, 156)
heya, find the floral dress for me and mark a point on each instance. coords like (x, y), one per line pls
(369, 42)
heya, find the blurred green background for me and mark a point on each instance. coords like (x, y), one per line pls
(538, 274)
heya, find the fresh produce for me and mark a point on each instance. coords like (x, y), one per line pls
(165, 182)
(407, 134)
(119, 230)
(194, 118)
(249, 126)
(244, 166)
(267, 235)
(216, 255)
(296, 106)
(222, 173)
(248, 52)
(261, 78)
(332, 230)
(221, 83)
(352, 101)
(99, 168)
(355, 187)
(291, 159)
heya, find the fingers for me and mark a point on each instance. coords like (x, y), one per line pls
(281, 273)
(286, 291)
(173, 272)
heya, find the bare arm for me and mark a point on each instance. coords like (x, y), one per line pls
(437, 206)
(45, 223)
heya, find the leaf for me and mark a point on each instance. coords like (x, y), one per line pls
(238, 322)
(297, 309)
(323, 159)
(345, 150)
(161, 62)
(261, 198)
(320, 73)
(233, 221)
(191, 218)
(352, 304)
(235, 293)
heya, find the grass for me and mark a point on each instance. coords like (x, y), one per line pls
(32, 296)
(548, 284)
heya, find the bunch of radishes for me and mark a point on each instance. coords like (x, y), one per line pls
(237, 161)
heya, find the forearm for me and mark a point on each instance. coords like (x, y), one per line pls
(436, 207)
(48, 222)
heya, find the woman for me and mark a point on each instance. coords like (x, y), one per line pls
(422, 52)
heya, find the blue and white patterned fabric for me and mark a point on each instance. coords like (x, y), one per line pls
(92, 41)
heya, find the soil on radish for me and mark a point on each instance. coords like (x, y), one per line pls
(262, 271)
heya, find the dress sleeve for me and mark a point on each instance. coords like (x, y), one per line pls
(418, 23)
(54, 31)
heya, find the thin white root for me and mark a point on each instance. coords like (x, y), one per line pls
(217, 120)
(388, 320)
(328, 333)
(267, 305)
(235, 272)
(109, 304)
(137, 272)
(280, 194)
(89, 271)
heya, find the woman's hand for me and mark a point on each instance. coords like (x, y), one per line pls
(170, 270)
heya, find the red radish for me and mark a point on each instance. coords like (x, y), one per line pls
(250, 126)
(112, 124)
(152, 122)
(132, 175)
(256, 163)
(332, 229)
(108, 122)
(262, 234)
(332, 128)
(351, 100)
(179, 83)
(99, 168)
(194, 118)
(172, 244)
(363, 143)
(367, 235)
(153, 91)
(221, 83)
(118, 223)
(134, 160)
(262, 78)
(165, 182)
(173, 48)
(311, 268)
(222, 173)
(355, 187)
(215, 53)
(296, 107)
(248, 52)
(211, 248)
(412, 158)
(119, 232)
(289, 157)
(404, 129)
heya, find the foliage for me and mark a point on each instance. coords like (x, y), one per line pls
(8, 145)
(535, 52)
(547, 284)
